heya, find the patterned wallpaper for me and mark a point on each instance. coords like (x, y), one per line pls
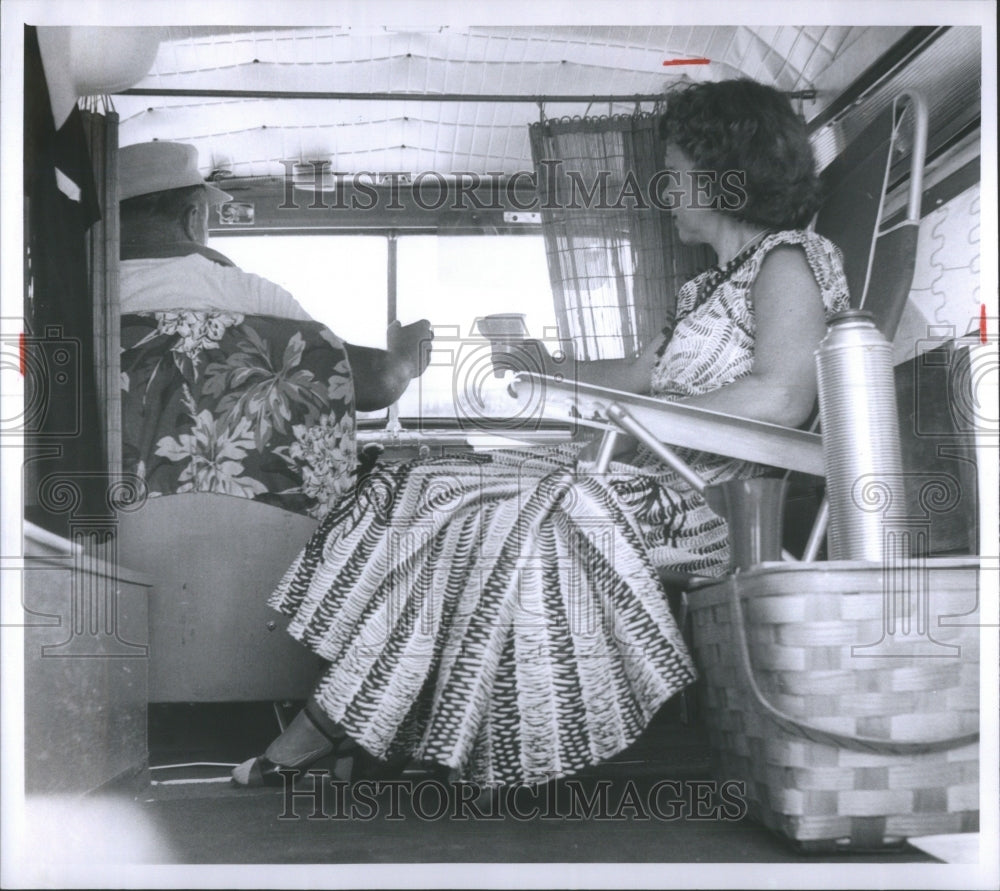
(944, 297)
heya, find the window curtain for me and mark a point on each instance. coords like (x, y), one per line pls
(65, 475)
(100, 124)
(614, 259)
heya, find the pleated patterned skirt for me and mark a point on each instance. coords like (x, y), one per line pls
(497, 614)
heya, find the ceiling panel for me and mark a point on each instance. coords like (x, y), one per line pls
(254, 137)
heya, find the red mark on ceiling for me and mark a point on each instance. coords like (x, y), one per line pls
(686, 61)
(22, 350)
(982, 323)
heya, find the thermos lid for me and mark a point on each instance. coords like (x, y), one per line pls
(853, 315)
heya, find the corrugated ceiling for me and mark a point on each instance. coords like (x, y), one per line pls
(254, 137)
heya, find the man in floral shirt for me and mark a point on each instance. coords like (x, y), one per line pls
(228, 385)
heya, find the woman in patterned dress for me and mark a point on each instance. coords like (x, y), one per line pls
(501, 615)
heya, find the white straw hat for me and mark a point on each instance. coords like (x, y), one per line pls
(149, 167)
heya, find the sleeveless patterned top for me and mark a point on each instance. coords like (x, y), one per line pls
(715, 334)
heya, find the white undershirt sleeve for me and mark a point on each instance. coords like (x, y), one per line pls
(266, 298)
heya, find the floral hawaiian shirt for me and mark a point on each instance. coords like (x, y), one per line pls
(254, 406)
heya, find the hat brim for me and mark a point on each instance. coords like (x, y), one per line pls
(216, 195)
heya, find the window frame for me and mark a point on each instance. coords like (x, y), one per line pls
(444, 429)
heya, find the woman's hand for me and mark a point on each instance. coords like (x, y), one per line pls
(529, 355)
(411, 345)
(628, 375)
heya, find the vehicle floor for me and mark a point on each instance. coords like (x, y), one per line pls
(198, 817)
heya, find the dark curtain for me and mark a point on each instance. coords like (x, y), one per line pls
(103, 243)
(65, 470)
(614, 259)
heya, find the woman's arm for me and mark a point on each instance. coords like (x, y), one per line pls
(627, 375)
(781, 388)
(381, 376)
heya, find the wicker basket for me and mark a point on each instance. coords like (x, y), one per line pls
(851, 715)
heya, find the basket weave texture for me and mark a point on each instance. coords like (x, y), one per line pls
(846, 697)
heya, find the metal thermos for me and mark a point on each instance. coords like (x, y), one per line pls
(860, 427)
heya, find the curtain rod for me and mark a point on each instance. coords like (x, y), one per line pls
(409, 97)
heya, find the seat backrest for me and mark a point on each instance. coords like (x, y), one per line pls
(879, 252)
(214, 560)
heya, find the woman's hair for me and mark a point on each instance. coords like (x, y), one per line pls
(743, 129)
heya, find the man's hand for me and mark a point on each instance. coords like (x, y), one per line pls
(381, 376)
(411, 345)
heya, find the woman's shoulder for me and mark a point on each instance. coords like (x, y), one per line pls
(823, 257)
(811, 241)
